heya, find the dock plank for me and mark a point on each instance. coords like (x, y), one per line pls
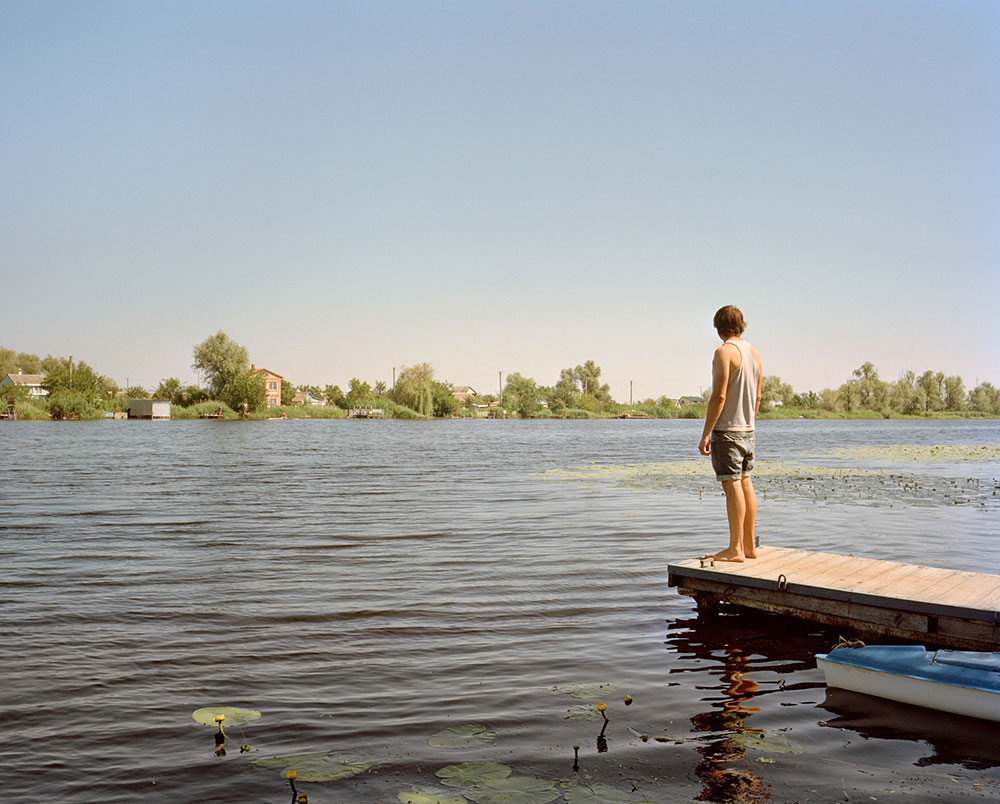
(949, 607)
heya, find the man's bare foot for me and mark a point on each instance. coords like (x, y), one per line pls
(750, 555)
(726, 555)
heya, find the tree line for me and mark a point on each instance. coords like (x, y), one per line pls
(76, 390)
(912, 394)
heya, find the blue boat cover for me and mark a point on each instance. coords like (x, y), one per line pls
(974, 669)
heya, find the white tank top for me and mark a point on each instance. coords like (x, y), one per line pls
(741, 394)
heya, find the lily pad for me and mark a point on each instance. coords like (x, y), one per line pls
(472, 774)
(514, 790)
(430, 795)
(585, 690)
(595, 794)
(463, 737)
(766, 743)
(234, 716)
(586, 711)
(318, 766)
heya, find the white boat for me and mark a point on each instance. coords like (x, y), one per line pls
(962, 682)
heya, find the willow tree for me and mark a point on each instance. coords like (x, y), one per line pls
(226, 366)
(415, 389)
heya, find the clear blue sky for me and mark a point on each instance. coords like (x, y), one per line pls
(345, 187)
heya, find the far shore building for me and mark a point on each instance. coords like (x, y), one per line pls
(306, 398)
(272, 385)
(32, 382)
(464, 393)
(685, 401)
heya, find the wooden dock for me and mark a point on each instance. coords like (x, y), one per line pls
(946, 608)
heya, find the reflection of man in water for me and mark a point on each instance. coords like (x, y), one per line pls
(722, 782)
(729, 429)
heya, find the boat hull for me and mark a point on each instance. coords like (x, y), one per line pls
(910, 675)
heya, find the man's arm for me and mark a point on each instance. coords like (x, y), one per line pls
(760, 381)
(720, 383)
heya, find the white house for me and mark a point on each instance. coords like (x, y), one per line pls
(306, 398)
(33, 382)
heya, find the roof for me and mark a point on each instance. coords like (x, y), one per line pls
(463, 389)
(255, 370)
(26, 379)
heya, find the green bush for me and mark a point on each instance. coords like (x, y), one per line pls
(196, 411)
(64, 404)
(692, 412)
(31, 409)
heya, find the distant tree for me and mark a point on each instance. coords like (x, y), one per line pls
(380, 388)
(334, 396)
(774, 391)
(575, 383)
(287, 392)
(555, 401)
(520, 395)
(245, 389)
(589, 376)
(168, 389)
(955, 397)
(12, 362)
(830, 399)
(312, 389)
(190, 395)
(223, 362)
(77, 377)
(445, 403)
(414, 389)
(136, 392)
(984, 398)
(810, 399)
(933, 386)
(358, 393)
(566, 392)
(907, 396)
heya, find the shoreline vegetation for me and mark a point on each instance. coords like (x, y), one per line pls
(234, 390)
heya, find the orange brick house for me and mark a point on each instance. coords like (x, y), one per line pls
(272, 385)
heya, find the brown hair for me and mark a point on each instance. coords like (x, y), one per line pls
(729, 321)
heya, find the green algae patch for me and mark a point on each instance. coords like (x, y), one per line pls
(585, 690)
(469, 736)
(234, 716)
(514, 790)
(777, 481)
(759, 741)
(318, 766)
(473, 774)
(920, 453)
(430, 795)
(596, 794)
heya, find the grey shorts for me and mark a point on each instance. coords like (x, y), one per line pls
(732, 454)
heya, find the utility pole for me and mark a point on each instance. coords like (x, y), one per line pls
(630, 393)
(500, 376)
(71, 372)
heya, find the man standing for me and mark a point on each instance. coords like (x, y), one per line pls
(729, 430)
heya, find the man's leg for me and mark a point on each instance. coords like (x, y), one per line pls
(736, 509)
(749, 517)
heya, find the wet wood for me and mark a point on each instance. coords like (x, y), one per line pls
(943, 607)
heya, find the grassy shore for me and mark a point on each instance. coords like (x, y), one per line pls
(35, 411)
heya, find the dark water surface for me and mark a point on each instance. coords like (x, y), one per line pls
(365, 585)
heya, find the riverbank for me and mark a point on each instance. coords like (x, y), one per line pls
(35, 412)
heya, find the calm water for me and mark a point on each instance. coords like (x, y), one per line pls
(365, 585)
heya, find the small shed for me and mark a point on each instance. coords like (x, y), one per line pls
(148, 409)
